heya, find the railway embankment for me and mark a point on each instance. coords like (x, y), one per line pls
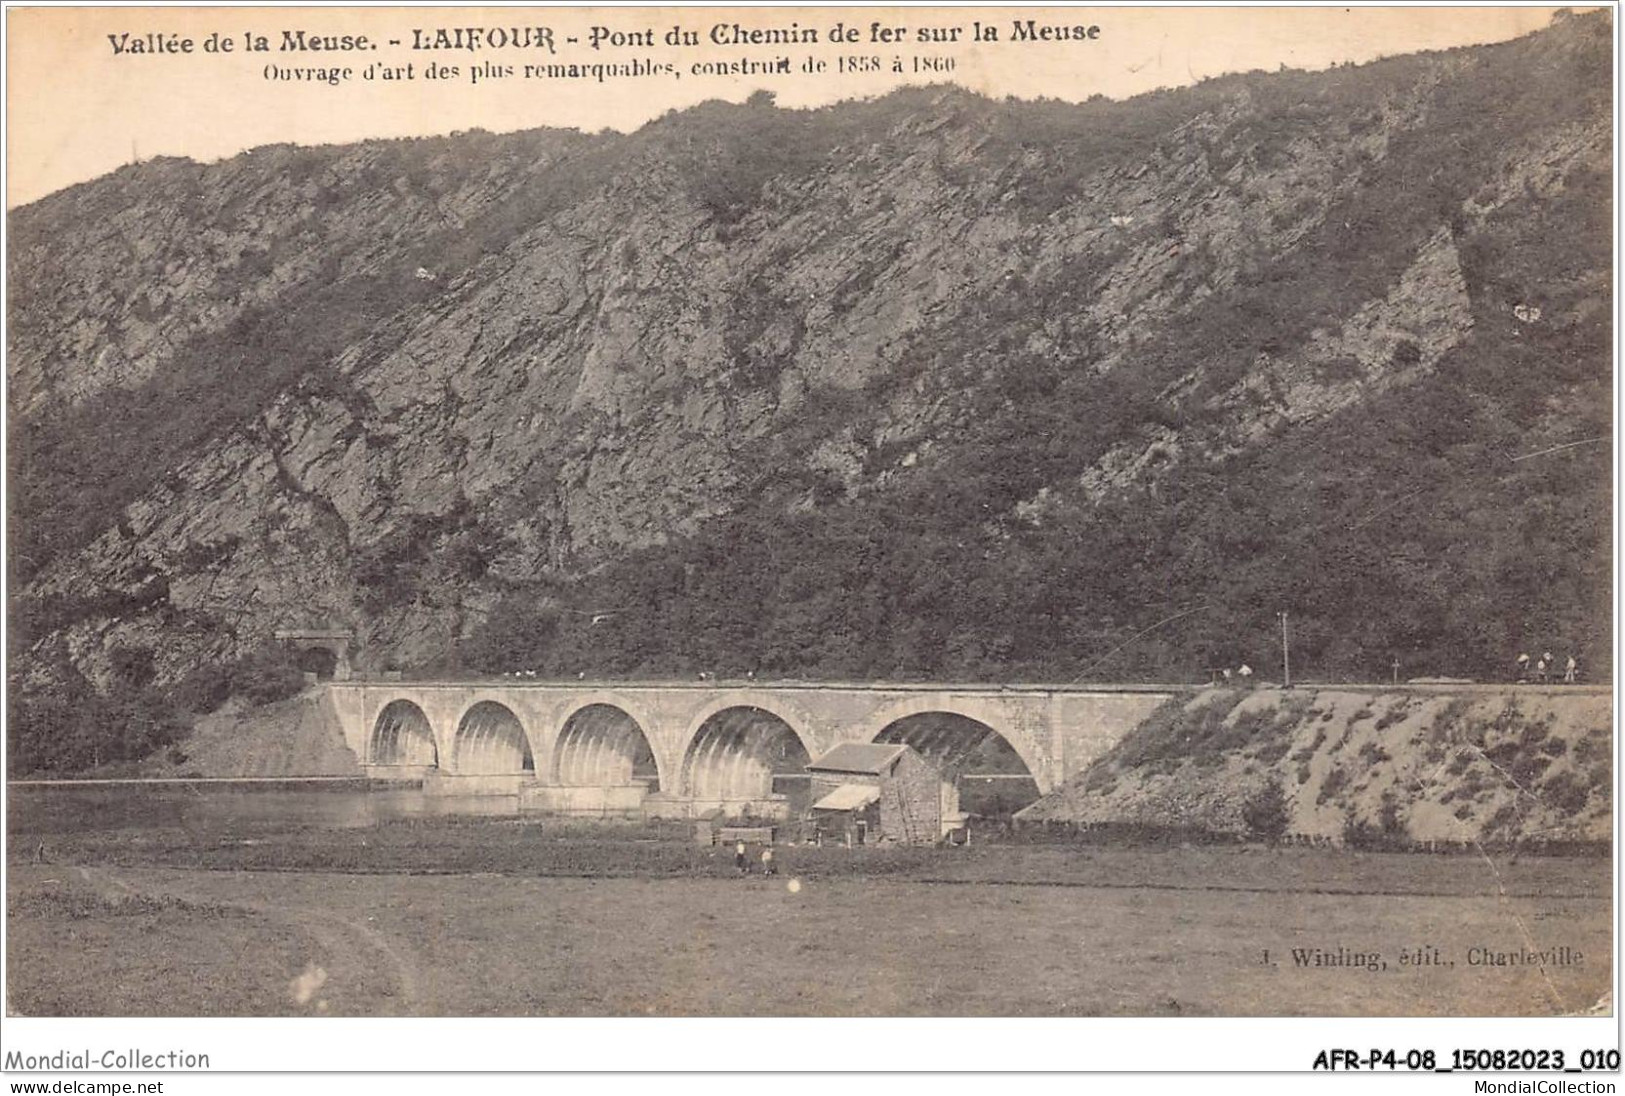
(1361, 765)
(295, 737)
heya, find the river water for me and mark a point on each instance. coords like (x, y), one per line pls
(42, 808)
(64, 808)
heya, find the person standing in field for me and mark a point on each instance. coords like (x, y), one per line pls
(767, 862)
(739, 858)
(1571, 671)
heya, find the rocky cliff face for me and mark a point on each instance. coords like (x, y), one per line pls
(404, 387)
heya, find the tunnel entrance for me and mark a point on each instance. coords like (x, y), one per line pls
(491, 741)
(306, 642)
(747, 754)
(602, 746)
(320, 662)
(990, 778)
(402, 736)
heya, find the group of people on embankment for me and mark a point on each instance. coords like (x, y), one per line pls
(1544, 670)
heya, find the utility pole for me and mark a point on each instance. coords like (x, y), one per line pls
(1286, 655)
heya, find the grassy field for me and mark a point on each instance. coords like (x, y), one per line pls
(486, 917)
(82, 946)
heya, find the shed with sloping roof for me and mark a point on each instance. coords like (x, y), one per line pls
(865, 791)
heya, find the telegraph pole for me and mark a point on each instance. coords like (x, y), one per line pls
(1286, 655)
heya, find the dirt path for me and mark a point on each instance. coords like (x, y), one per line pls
(348, 946)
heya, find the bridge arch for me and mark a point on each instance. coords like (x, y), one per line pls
(402, 735)
(602, 744)
(735, 746)
(491, 740)
(951, 734)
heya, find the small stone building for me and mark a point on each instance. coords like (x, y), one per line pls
(707, 825)
(867, 792)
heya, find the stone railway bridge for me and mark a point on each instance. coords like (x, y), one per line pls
(682, 748)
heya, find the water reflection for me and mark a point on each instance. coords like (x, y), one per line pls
(82, 808)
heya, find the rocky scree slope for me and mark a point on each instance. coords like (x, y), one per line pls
(924, 386)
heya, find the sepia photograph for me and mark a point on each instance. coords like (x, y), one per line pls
(810, 512)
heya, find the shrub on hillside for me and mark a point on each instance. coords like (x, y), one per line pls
(263, 676)
(1388, 833)
(1266, 813)
(1392, 822)
(1566, 792)
(267, 675)
(1336, 780)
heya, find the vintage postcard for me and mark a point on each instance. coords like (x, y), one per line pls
(811, 512)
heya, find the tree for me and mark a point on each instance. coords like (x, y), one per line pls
(1266, 813)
